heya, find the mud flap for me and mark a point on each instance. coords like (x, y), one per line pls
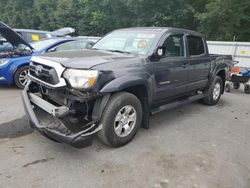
(146, 113)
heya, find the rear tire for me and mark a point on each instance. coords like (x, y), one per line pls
(20, 77)
(213, 92)
(121, 119)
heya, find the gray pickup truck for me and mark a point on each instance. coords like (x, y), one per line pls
(110, 91)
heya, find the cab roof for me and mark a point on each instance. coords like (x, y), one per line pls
(163, 30)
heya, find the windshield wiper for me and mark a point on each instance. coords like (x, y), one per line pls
(119, 51)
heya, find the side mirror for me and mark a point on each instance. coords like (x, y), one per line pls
(90, 45)
(235, 62)
(51, 50)
(161, 51)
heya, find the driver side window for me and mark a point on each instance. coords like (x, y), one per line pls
(174, 46)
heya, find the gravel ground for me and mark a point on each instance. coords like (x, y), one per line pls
(13, 122)
(191, 146)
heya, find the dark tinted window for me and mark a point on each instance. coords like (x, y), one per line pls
(195, 45)
(174, 46)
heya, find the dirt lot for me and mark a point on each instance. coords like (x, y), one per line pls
(192, 146)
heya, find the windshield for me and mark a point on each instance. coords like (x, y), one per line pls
(138, 42)
(40, 45)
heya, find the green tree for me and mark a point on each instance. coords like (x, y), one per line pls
(17, 13)
(217, 19)
(225, 20)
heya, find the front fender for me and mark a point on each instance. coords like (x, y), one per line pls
(8, 71)
(128, 81)
(123, 83)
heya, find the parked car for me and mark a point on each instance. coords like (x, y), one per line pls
(111, 90)
(15, 53)
(31, 35)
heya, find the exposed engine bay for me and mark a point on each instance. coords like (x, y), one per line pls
(9, 49)
(15, 52)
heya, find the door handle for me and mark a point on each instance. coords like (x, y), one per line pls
(185, 65)
(166, 82)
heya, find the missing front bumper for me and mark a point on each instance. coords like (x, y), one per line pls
(44, 116)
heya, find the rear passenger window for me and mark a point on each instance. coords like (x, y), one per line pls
(195, 45)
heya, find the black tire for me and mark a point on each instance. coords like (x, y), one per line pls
(228, 88)
(247, 89)
(20, 71)
(209, 99)
(236, 85)
(117, 102)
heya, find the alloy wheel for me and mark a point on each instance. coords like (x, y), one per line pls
(125, 121)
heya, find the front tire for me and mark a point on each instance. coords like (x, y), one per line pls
(121, 119)
(213, 93)
(21, 76)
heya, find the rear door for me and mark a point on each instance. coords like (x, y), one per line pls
(199, 63)
(171, 71)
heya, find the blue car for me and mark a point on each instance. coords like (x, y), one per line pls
(15, 53)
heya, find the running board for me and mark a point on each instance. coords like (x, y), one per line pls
(177, 104)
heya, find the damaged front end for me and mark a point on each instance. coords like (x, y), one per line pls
(61, 115)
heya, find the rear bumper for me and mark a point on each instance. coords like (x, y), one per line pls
(42, 120)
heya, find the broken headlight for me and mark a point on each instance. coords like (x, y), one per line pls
(80, 79)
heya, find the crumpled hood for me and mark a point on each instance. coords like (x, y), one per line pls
(85, 59)
(11, 36)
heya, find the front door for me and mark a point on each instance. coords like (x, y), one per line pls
(171, 71)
